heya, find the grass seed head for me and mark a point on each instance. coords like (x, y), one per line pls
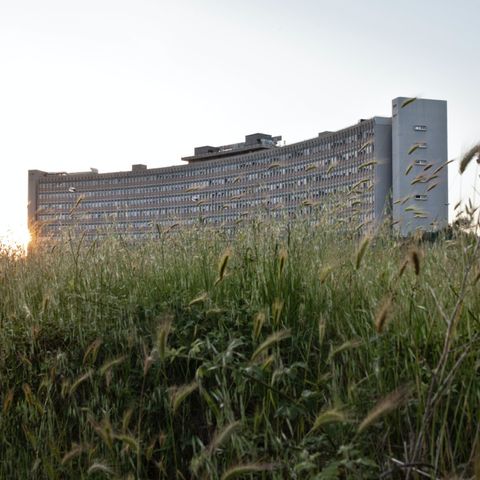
(386, 405)
(98, 467)
(413, 148)
(408, 101)
(383, 314)
(333, 415)
(75, 452)
(127, 416)
(92, 351)
(223, 263)
(107, 366)
(402, 268)
(179, 394)
(162, 336)
(361, 252)
(246, 469)
(200, 299)
(83, 378)
(324, 273)
(258, 322)
(322, 324)
(414, 257)
(277, 308)
(147, 363)
(128, 440)
(282, 259)
(349, 344)
(222, 436)
(476, 462)
(271, 340)
(473, 153)
(7, 401)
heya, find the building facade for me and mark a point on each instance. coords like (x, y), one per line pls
(381, 167)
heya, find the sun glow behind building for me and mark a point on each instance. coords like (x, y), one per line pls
(16, 240)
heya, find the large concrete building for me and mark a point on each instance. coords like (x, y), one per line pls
(392, 167)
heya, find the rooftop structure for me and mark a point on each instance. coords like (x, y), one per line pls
(383, 167)
(252, 143)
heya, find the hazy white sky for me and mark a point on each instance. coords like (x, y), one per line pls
(109, 83)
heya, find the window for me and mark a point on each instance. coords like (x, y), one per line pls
(420, 128)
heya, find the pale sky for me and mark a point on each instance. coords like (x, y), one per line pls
(110, 83)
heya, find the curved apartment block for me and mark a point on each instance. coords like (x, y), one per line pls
(379, 166)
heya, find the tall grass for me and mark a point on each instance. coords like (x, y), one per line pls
(286, 351)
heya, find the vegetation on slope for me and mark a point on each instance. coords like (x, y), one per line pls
(287, 351)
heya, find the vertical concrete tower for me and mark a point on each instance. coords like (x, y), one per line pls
(419, 170)
(382, 138)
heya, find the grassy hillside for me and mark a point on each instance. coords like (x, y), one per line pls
(285, 352)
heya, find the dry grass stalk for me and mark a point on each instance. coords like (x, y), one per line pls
(402, 268)
(162, 336)
(473, 153)
(322, 326)
(408, 101)
(333, 415)
(92, 350)
(147, 363)
(272, 339)
(107, 366)
(383, 314)
(476, 463)
(325, 272)
(222, 436)
(282, 259)
(200, 299)
(245, 469)
(7, 401)
(100, 468)
(386, 405)
(127, 416)
(75, 452)
(349, 344)
(361, 251)
(222, 265)
(258, 322)
(414, 257)
(413, 148)
(179, 394)
(128, 440)
(83, 378)
(277, 308)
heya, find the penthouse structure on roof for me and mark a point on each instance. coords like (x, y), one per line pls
(382, 167)
(252, 143)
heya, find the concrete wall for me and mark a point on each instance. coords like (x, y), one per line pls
(33, 179)
(383, 168)
(417, 203)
